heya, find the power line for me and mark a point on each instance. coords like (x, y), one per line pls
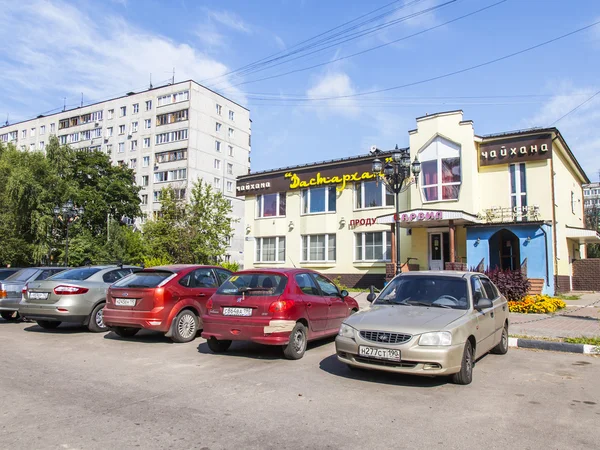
(369, 49)
(575, 109)
(446, 75)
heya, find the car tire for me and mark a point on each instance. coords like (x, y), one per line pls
(48, 324)
(10, 316)
(502, 347)
(125, 332)
(465, 376)
(297, 346)
(218, 346)
(96, 321)
(185, 327)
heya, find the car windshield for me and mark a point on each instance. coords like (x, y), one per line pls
(257, 284)
(143, 279)
(429, 291)
(80, 274)
(22, 275)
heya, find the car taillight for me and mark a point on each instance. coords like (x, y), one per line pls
(209, 304)
(159, 296)
(281, 306)
(70, 290)
(2, 293)
(24, 290)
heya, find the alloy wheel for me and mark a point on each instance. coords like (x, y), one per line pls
(100, 318)
(186, 326)
(298, 341)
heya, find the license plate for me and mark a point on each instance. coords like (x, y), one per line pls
(38, 295)
(237, 312)
(125, 301)
(379, 353)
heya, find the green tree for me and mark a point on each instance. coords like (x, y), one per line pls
(125, 244)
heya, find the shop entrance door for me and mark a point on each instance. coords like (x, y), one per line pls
(439, 251)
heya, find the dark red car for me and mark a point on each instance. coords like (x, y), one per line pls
(286, 307)
(169, 299)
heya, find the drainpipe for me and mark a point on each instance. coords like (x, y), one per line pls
(546, 248)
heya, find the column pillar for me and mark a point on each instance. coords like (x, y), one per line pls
(394, 256)
(452, 230)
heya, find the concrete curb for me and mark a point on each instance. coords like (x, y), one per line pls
(554, 346)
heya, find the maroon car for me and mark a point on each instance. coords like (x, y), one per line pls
(286, 307)
(169, 299)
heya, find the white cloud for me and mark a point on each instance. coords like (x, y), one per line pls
(67, 51)
(279, 42)
(230, 20)
(334, 84)
(579, 128)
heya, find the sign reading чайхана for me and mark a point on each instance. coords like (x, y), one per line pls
(514, 150)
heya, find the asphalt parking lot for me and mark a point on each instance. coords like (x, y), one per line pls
(71, 389)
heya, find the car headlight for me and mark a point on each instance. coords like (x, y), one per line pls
(436, 338)
(346, 331)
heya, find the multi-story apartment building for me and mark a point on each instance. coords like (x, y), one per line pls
(170, 136)
(591, 195)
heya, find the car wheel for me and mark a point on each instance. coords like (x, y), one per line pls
(465, 376)
(96, 323)
(353, 311)
(125, 332)
(502, 347)
(297, 346)
(185, 326)
(218, 346)
(11, 316)
(48, 324)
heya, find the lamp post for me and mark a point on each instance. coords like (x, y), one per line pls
(68, 213)
(393, 173)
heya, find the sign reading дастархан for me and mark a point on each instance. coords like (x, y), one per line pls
(510, 151)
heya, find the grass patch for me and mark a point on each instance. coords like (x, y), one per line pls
(569, 297)
(584, 340)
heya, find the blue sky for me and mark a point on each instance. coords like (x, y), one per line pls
(53, 49)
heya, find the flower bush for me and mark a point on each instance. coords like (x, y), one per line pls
(536, 304)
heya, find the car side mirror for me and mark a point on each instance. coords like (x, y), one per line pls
(344, 293)
(483, 303)
(371, 296)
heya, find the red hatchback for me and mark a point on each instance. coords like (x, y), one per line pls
(286, 307)
(169, 299)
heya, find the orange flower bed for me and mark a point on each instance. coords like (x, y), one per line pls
(536, 304)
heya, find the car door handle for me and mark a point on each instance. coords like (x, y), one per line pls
(329, 304)
(504, 308)
(492, 314)
(309, 304)
(200, 295)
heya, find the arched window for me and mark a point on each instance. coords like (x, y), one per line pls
(440, 168)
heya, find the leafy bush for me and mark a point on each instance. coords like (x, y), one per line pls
(233, 266)
(157, 261)
(536, 304)
(338, 282)
(511, 283)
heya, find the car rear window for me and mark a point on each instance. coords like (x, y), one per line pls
(76, 274)
(22, 275)
(143, 279)
(257, 284)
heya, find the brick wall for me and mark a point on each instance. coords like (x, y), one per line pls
(586, 275)
(562, 283)
(358, 280)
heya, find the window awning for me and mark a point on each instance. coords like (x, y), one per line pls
(426, 218)
(582, 235)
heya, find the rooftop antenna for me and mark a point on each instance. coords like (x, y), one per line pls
(150, 81)
(64, 103)
(6, 123)
(82, 99)
(173, 79)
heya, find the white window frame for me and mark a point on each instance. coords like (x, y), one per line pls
(217, 127)
(229, 186)
(122, 129)
(231, 132)
(122, 111)
(260, 205)
(134, 145)
(136, 108)
(308, 238)
(231, 115)
(363, 236)
(217, 164)
(440, 153)
(219, 109)
(148, 105)
(518, 188)
(362, 196)
(229, 169)
(146, 143)
(145, 180)
(230, 150)
(134, 126)
(146, 161)
(218, 146)
(259, 249)
(308, 199)
(42, 130)
(148, 124)
(121, 148)
(217, 183)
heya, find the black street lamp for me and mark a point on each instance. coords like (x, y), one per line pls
(394, 174)
(67, 214)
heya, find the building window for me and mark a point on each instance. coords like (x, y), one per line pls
(218, 109)
(148, 124)
(145, 161)
(230, 132)
(229, 169)
(271, 205)
(170, 175)
(179, 194)
(23, 134)
(144, 199)
(440, 168)
(121, 147)
(134, 127)
(573, 202)
(97, 132)
(109, 148)
(52, 128)
(42, 145)
(32, 147)
(110, 114)
(318, 200)
(146, 143)
(145, 180)
(156, 196)
(174, 155)
(63, 139)
(121, 129)
(172, 117)
(172, 136)
(173, 98)
(217, 164)
(109, 132)
(270, 249)
(231, 115)
(148, 105)
(217, 183)
(136, 108)
(134, 146)
(217, 146)
(230, 150)
(42, 130)
(217, 127)
(370, 194)
(229, 186)
(375, 246)
(86, 135)
(32, 134)
(133, 163)
(123, 111)
(318, 248)
(518, 189)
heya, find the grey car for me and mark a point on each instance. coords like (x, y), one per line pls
(11, 287)
(427, 323)
(75, 296)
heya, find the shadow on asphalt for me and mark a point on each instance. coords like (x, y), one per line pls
(247, 349)
(63, 328)
(145, 337)
(332, 366)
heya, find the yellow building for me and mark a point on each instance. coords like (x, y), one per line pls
(511, 200)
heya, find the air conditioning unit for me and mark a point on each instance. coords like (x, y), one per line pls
(128, 136)
(96, 124)
(105, 140)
